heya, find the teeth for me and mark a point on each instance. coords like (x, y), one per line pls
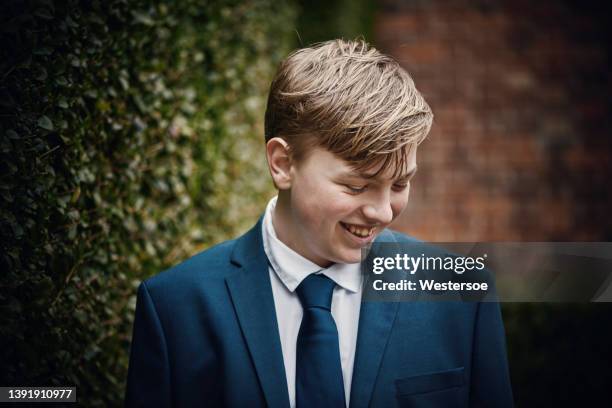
(359, 231)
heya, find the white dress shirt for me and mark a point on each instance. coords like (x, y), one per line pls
(288, 269)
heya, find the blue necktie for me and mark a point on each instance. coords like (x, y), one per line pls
(318, 372)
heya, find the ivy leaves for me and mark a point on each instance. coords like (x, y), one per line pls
(130, 139)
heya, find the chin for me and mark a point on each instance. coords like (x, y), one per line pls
(353, 256)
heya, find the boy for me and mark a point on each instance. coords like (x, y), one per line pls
(275, 318)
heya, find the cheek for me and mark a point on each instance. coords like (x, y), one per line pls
(399, 202)
(305, 191)
(328, 211)
(321, 207)
(310, 199)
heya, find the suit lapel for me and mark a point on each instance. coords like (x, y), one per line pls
(375, 324)
(251, 294)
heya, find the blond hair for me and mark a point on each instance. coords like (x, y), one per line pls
(350, 99)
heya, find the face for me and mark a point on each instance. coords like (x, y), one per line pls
(331, 211)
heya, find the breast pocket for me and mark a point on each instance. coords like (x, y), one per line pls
(443, 388)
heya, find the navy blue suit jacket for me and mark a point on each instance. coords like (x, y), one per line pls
(205, 334)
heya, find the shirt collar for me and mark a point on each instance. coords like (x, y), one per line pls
(292, 268)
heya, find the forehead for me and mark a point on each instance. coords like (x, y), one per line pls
(387, 167)
(394, 165)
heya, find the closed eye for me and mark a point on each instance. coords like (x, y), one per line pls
(356, 189)
(400, 186)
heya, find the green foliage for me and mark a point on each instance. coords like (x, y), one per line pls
(321, 20)
(131, 137)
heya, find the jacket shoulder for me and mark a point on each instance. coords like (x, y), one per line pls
(389, 235)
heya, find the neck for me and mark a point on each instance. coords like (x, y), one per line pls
(286, 233)
(281, 220)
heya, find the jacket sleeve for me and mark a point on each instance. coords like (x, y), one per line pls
(490, 379)
(148, 382)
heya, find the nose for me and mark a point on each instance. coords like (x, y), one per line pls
(379, 211)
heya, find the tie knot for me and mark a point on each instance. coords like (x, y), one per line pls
(316, 291)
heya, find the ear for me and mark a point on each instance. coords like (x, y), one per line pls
(279, 162)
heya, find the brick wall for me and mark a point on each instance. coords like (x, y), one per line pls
(520, 150)
(521, 145)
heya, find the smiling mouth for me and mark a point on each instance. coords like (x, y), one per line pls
(358, 231)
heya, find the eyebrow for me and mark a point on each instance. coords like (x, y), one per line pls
(406, 176)
(410, 174)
